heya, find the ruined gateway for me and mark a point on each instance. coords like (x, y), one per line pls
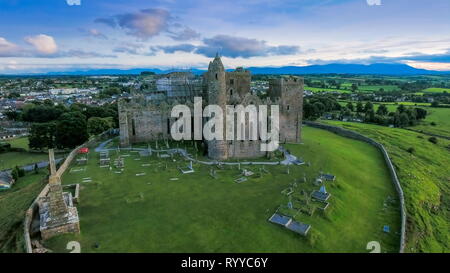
(142, 119)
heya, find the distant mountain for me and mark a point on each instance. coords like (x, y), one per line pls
(379, 69)
(135, 71)
(376, 69)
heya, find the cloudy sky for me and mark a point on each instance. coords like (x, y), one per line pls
(64, 35)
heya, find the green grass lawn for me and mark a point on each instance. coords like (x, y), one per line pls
(151, 213)
(12, 159)
(13, 204)
(20, 142)
(424, 177)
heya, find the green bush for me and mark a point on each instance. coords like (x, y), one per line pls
(433, 140)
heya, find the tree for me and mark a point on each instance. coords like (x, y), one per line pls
(12, 115)
(71, 130)
(401, 108)
(42, 135)
(308, 110)
(368, 107)
(382, 110)
(421, 113)
(42, 113)
(403, 120)
(359, 107)
(370, 116)
(433, 140)
(350, 106)
(354, 87)
(96, 125)
(15, 174)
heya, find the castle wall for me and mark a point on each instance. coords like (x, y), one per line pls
(245, 149)
(289, 93)
(238, 82)
(147, 121)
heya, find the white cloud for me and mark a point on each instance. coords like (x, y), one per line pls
(44, 44)
(374, 2)
(96, 33)
(73, 2)
(8, 49)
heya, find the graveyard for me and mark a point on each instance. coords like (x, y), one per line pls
(336, 198)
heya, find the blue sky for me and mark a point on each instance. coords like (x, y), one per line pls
(61, 35)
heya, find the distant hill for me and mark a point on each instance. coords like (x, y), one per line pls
(375, 69)
(380, 69)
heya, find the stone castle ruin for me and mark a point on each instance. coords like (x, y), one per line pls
(147, 118)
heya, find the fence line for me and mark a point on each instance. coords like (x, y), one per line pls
(354, 135)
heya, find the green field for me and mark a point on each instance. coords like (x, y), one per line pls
(441, 119)
(372, 88)
(11, 159)
(439, 116)
(152, 213)
(436, 90)
(13, 204)
(318, 90)
(424, 177)
(20, 142)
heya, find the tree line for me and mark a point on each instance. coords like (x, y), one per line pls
(319, 105)
(58, 126)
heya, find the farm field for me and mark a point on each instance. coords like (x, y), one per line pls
(440, 117)
(424, 177)
(318, 89)
(436, 90)
(154, 212)
(437, 121)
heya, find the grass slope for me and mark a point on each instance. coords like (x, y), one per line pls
(424, 177)
(151, 213)
(11, 159)
(13, 204)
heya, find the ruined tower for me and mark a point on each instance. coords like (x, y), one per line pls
(288, 91)
(216, 94)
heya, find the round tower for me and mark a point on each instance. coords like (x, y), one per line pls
(217, 149)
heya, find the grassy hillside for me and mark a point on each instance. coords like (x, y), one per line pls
(13, 204)
(425, 177)
(196, 213)
(437, 122)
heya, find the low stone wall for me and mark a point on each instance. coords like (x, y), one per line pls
(354, 135)
(29, 218)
